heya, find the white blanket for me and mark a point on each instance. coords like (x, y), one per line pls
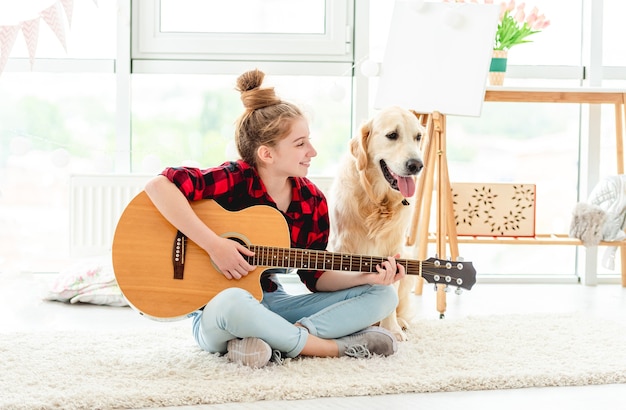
(602, 217)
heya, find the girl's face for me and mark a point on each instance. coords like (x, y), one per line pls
(294, 152)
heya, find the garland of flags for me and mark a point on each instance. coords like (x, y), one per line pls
(51, 12)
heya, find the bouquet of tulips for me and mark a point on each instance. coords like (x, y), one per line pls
(515, 25)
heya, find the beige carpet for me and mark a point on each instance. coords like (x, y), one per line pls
(146, 368)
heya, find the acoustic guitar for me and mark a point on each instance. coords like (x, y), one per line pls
(165, 276)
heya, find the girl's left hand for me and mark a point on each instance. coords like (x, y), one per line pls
(389, 271)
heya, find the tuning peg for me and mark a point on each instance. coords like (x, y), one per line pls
(446, 289)
(458, 291)
(460, 259)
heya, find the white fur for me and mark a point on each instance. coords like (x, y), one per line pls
(367, 215)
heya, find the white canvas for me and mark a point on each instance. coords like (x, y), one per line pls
(437, 57)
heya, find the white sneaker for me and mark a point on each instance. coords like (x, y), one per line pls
(249, 351)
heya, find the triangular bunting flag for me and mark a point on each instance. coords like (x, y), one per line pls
(68, 7)
(52, 16)
(30, 31)
(7, 39)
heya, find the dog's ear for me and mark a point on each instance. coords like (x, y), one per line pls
(358, 146)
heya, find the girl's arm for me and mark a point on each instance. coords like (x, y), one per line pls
(173, 205)
(389, 272)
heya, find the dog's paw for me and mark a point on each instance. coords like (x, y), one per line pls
(400, 335)
(391, 324)
(403, 323)
(398, 332)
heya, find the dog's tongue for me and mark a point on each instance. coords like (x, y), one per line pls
(406, 185)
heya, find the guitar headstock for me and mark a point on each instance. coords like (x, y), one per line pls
(452, 273)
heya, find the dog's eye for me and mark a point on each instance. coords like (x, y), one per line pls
(392, 135)
(418, 137)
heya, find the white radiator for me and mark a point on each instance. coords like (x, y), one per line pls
(96, 203)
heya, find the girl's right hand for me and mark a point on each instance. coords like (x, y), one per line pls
(227, 255)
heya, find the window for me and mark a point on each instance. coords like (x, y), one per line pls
(57, 120)
(291, 30)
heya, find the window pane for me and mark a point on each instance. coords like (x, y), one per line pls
(189, 119)
(243, 16)
(559, 43)
(51, 125)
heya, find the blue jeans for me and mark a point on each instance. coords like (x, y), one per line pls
(235, 313)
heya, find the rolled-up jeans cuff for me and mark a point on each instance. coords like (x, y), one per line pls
(304, 334)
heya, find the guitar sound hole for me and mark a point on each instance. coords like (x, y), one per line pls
(239, 240)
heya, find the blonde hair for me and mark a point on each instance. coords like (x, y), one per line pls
(266, 119)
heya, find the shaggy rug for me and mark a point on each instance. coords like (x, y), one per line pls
(163, 367)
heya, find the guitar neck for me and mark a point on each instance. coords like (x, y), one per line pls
(322, 260)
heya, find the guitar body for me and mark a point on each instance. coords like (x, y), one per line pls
(143, 255)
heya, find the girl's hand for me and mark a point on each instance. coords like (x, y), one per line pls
(389, 271)
(227, 254)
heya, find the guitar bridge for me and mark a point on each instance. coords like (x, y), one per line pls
(178, 255)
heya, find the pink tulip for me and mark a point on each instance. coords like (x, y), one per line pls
(511, 5)
(520, 15)
(488, 1)
(545, 24)
(502, 10)
(532, 17)
(540, 23)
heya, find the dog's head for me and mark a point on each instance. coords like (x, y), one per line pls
(388, 152)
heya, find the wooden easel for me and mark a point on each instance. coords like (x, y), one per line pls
(435, 171)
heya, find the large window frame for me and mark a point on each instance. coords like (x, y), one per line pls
(334, 44)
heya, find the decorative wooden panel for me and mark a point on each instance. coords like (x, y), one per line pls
(494, 209)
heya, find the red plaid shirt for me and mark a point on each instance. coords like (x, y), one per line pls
(237, 185)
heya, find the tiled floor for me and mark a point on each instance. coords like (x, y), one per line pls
(23, 309)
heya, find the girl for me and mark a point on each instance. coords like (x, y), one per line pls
(331, 320)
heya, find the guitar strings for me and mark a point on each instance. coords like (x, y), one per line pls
(274, 255)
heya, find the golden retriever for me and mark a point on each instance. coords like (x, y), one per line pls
(368, 203)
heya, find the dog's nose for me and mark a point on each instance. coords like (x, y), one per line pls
(414, 166)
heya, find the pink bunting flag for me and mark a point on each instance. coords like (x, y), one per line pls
(68, 7)
(30, 31)
(52, 16)
(7, 40)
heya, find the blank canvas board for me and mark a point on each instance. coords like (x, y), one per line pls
(437, 57)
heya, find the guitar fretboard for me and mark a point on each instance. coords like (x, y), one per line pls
(320, 260)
